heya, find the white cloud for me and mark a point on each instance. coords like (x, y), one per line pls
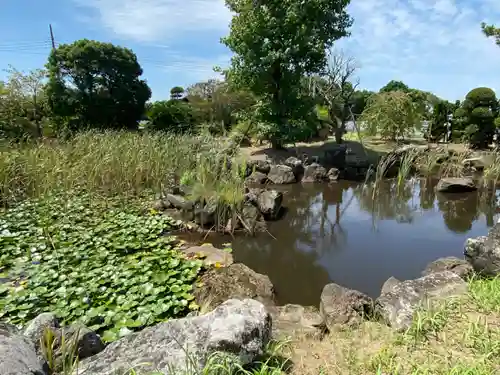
(156, 20)
(436, 45)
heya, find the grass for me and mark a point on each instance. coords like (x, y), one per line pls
(461, 336)
(123, 163)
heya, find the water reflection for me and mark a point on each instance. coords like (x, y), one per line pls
(358, 237)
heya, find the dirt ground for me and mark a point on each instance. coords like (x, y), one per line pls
(371, 147)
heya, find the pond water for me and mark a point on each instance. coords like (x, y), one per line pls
(344, 233)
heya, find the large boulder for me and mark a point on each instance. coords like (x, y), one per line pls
(36, 329)
(397, 306)
(18, 355)
(256, 178)
(281, 174)
(236, 281)
(459, 266)
(314, 173)
(293, 320)
(456, 185)
(343, 306)
(85, 341)
(389, 284)
(335, 156)
(238, 329)
(484, 252)
(269, 203)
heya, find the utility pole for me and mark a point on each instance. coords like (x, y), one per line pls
(52, 37)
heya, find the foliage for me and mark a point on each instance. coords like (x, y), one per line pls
(276, 44)
(359, 101)
(336, 89)
(173, 115)
(395, 86)
(479, 108)
(97, 85)
(110, 163)
(23, 104)
(440, 116)
(392, 115)
(176, 93)
(491, 31)
(96, 262)
(217, 102)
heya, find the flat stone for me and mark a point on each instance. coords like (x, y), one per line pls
(211, 255)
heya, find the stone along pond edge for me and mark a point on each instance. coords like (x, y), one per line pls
(244, 317)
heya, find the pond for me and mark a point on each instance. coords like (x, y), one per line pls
(344, 233)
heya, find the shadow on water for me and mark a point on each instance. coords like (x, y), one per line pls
(348, 234)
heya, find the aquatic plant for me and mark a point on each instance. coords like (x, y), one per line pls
(93, 261)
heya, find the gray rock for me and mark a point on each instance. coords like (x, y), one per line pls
(314, 173)
(459, 266)
(18, 355)
(456, 185)
(269, 203)
(262, 166)
(85, 342)
(281, 174)
(256, 178)
(343, 306)
(484, 252)
(239, 329)
(251, 218)
(398, 306)
(210, 255)
(252, 195)
(236, 281)
(389, 284)
(479, 162)
(36, 329)
(206, 216)
(292, 320)
(179, 202)
(333, 174)
(296, 165)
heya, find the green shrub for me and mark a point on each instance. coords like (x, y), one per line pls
(173, 116)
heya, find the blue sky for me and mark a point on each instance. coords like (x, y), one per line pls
(433, 45)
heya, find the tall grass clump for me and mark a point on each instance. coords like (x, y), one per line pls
(112, 163)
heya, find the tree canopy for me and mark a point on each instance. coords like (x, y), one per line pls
(95, 84)
(275, 45)
(491, 31)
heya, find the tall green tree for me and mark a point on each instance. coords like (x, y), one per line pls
(491, 31)
(395, 86)
(477, 115)
(94, 84)
(176, 93)
(276, 43)
(439, 117)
